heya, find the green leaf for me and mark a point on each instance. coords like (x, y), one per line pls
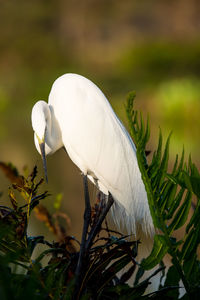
(194, 221)
(175, 165)
(170, 196)
(160, 248)
(175, 203)
(192, 183)
(139, 275)
(191, 243)
(164, 164)
(181, 162)
(58, 201)
(182, 214)
(155, 164)
(191, 269)
(172, 279)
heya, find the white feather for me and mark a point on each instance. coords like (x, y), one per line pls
(99, 145)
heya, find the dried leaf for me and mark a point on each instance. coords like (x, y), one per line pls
(13, 199)
(33, 173)
(43, 215)
(12, 174)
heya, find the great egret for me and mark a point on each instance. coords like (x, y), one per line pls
(79, 117)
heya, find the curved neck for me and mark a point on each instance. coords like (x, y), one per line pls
(53, 132)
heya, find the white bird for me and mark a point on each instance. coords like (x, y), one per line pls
(79, 117)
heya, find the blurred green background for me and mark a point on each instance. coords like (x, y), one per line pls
(152, 47)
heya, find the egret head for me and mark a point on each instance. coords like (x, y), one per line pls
(40, 122)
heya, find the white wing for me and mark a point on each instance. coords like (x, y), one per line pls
(100, 146)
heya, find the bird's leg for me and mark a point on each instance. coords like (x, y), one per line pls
(87, 213)
(87, 218)
(97, 227)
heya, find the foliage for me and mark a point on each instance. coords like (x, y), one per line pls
(172, 195)
(23, 277)
(54, 272)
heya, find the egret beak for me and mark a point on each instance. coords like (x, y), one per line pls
(42, 149)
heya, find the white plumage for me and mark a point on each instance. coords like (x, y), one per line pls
(79, 117)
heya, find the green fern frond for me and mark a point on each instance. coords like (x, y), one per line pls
(170, 199)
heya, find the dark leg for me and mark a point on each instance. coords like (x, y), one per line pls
(97, 227)
(87, 218)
